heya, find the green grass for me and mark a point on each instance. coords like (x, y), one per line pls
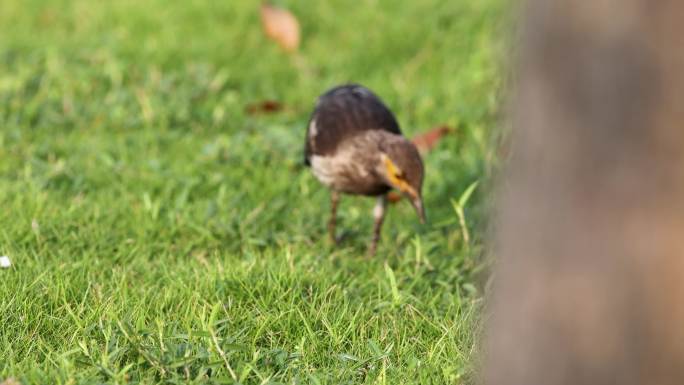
(159, 234)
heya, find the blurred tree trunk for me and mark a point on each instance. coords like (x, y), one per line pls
(589, 285)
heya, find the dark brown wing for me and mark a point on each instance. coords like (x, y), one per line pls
(342, 112)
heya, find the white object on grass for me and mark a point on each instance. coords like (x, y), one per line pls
(5, 262)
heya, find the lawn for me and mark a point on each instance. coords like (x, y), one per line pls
(159, 233)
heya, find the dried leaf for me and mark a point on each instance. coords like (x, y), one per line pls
(264, 107)
(10, 381)
(280, 25)
(393, 197)
(426, 141)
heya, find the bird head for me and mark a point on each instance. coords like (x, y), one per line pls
(402, 169)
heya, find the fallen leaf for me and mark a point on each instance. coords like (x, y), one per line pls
(393, 197)
(264, 107)
(280, 25)
(10, 381)
(426, 141)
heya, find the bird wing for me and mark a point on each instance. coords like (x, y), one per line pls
(343, 112)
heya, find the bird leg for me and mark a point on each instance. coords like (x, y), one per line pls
(334, 200)
(379, 217)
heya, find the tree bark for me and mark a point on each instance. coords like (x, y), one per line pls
(589, 284)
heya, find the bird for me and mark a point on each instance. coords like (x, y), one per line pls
(354, 146)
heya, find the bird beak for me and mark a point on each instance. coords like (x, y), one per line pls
(417, 204)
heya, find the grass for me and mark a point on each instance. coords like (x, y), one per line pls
(159, 234)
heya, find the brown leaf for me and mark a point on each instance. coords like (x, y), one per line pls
(393, 197)
(10, 381)
(264, 107)
(280, 25)
(426, 141)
